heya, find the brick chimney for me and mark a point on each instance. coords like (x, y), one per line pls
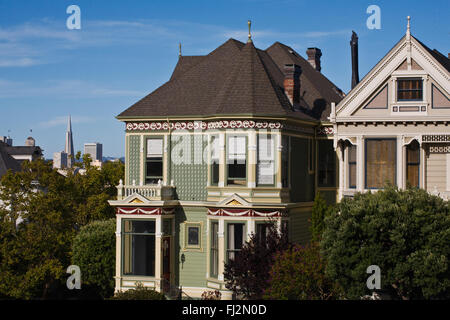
(291, 82)
(314, 55)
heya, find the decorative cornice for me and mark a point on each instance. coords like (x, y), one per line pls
(245, 212)
(144, 210)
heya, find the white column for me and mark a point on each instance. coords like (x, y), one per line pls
(340, 151)
(158, 260)
(118, 253)
(423, 167)
(221, 239)
(251, 228)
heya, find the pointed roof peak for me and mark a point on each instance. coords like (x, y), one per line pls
(408, 28)
(249, 22)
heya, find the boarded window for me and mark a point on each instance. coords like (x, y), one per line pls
(380, 162)
(409, 89)
(413, 163)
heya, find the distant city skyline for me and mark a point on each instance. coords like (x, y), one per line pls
(124, 51)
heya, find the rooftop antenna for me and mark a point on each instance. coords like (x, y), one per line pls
(179, 49)
(249, 31)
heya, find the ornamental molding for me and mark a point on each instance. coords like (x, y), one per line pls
(327, 131)
(210, 125)
(245, 213)
(435, 138)
(144, 211)
(439, 149)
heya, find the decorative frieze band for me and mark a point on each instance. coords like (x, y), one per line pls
(244, 212)
(439, 149)
(436, 138)
(202, 125)
(144, 210)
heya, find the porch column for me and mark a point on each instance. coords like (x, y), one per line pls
(158, 246)
(279, 171)
(251, 228)
(221, 249)
(360, 163)
(222, 159)
(118, 253)
(252, 143)
(423, 167)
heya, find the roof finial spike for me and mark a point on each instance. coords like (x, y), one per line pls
(249, 31)
(408, 27)
(179, 49)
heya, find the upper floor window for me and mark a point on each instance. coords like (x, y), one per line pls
(154, 161)
(285, 162)
(409, 90)
(380, 162)
(266, 160)
(236, 160)
(215, 157)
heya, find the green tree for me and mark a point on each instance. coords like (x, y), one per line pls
(298, 273)
(405, 232)
(94, 251)
(40, 213)
(320, 210)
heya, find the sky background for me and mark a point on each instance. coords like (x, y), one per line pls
(127, 49)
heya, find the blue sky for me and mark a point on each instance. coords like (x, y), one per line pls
(126, 49)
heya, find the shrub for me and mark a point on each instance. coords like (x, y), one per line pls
(320, 210)
(405, 232)
(248, 274)
(211, 295)
(299, 274)
(139, 293)
(94, 251)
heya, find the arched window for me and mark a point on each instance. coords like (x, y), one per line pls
(413, 163)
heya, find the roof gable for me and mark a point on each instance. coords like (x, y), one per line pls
(418, 60)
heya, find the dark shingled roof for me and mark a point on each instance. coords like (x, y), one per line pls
(23, 150)
(6, 161)
(442, 59)
(237, 78)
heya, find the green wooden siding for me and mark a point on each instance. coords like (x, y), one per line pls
(134, 159)
(299, 227)
(188, 169)
(191, 272)
(302, 182)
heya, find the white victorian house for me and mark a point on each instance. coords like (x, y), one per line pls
(394, 124)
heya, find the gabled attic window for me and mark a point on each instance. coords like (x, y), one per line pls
(409, 89)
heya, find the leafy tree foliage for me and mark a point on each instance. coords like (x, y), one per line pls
(139, 293)
(94, 251)
(320, 210)
(40, 213)
(248, 274)
(405, 232)
(298, 273)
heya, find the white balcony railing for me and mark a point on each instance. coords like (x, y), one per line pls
(151, 192)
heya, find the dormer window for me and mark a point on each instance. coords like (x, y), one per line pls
(409, 90)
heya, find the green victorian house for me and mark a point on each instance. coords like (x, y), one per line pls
(234, 139)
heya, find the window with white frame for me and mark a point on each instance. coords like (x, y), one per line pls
(154, 161)
(236, 160)
(215, 159)
(235, 239)
(266, 160)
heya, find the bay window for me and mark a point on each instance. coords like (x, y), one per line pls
(139, 247)
(235, 239)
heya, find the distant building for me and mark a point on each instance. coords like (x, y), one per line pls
(7, 162)
(60, 160)
(95, 150)
(6, 140)
(69, 144)
(28, 152)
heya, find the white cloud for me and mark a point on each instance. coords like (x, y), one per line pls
(21, 62)
(62, 120)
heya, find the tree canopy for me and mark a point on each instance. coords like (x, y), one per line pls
(404, 232)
